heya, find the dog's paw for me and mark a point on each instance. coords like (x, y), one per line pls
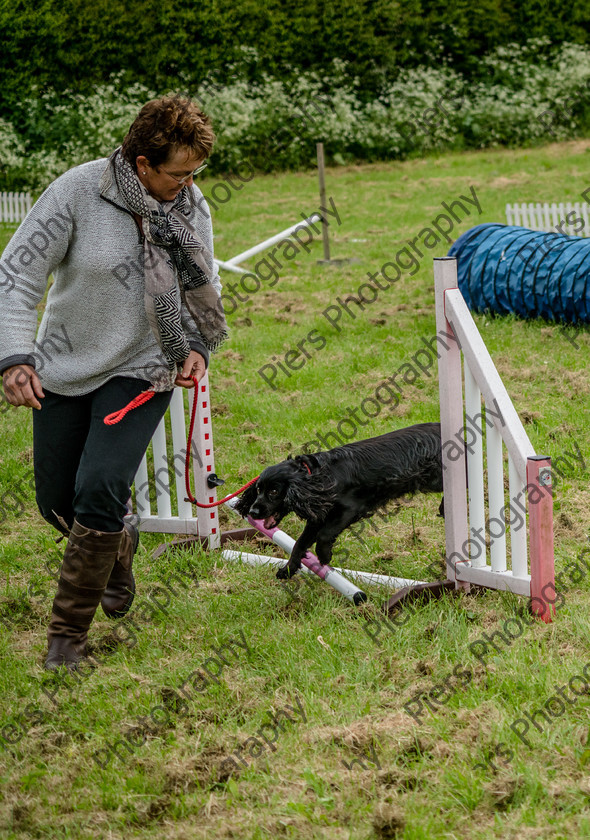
(284, 573)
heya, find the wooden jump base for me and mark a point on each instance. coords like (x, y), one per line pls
(467, 377)
(418, 592)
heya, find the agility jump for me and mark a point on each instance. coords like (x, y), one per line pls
(469, 533)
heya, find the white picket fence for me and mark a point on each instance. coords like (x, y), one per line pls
(554, 217)
(14, 206)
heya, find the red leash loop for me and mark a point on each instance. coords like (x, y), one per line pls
(142, 398)
(117, 416)
(190, 496)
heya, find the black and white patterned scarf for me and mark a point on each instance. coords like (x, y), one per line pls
(177, 269)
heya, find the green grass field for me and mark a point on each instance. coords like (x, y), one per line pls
(454, 768)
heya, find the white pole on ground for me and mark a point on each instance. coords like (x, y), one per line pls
(284, 234)
(362, 577)
(228, 267)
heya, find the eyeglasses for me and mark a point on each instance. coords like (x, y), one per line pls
(186, 177)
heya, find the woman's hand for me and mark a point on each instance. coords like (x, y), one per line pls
(22, 386)
(194, 365)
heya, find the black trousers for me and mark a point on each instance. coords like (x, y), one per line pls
(83, 468)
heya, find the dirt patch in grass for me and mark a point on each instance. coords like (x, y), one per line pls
(363, 732)
(565, 526)
(577, 379)
(388, 821)
(184, 775)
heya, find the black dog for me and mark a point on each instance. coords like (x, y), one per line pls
(332, 490)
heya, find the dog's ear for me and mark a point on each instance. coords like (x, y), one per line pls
(310, 496)
(247, 499)
(309, 461)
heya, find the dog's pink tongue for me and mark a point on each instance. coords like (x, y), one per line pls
(270, 522)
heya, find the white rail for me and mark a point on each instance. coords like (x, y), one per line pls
(233, 263)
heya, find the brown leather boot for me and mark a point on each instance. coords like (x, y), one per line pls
(88, 560)
(118, 596)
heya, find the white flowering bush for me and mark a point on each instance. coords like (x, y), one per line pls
(11, 156)
(276, 124)
(233, 110)
(520, 94)
(531, 95)
(421, 110)
(65, 128)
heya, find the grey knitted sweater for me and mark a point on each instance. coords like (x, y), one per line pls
(94, 326)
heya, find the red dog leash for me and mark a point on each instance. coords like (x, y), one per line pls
(142, 398)
(117, 416)
(187, 482)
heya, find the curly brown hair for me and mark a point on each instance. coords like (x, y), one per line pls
(163, 126)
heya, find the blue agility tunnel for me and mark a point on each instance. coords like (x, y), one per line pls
(505, 269)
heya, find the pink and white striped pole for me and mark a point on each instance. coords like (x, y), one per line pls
(327, 573)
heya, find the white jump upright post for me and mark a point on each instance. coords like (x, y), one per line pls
(529, 475)
(203, 463)
(450, 387)
(182, 520)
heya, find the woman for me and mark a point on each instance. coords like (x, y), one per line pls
(134, 308)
